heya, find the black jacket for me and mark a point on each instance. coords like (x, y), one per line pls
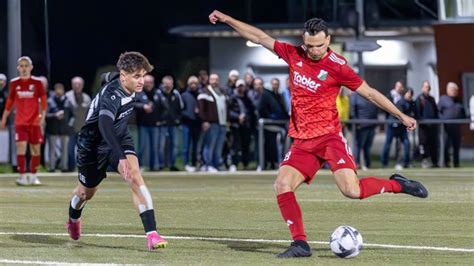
(426, 107)
(170, 107)
(271, 105)
(147, 97)
(54, 125)
(242, 104)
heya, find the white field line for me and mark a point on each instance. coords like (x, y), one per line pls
(41, 262)
(466, 172)
(242, 240)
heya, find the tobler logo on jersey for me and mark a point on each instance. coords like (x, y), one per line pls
(25, 94)
(305, 82)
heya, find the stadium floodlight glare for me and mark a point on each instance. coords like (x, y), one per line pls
(252, 44)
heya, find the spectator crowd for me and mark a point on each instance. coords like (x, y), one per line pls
(213, 127)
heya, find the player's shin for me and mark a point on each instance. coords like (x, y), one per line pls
(75, 208)
(291, 213)
(145, 207)
(372, 186)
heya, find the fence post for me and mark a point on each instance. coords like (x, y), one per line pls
(261, 146)
(441, 145)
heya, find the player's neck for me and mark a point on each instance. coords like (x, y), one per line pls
(127, 91)
(25, 77)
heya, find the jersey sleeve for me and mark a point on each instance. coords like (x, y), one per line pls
(348, 78)
(42, 96)
(283, 50)
(11, 97)
(108, 108)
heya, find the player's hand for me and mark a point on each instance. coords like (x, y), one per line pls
(3, 124)
(124, 166)
(409, 122)
(216, 16)
(205, 126)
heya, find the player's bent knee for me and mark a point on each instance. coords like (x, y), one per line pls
(85, 193)
(351, 192)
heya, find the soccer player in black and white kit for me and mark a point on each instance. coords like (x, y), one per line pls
(105, 141)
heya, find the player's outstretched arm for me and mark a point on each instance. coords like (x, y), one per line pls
(384, 103)
(5, 115)
(247, 31)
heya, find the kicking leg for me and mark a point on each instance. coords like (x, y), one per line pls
(144, 204)
(352, 187)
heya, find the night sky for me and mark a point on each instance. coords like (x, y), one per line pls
(86, 35)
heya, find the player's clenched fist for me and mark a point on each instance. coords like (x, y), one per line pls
(217, 16)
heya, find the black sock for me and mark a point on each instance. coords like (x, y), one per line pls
(148, 220)
(73, 213)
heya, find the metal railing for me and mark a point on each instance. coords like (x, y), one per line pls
(279, 126)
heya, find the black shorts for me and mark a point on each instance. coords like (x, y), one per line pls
(92, 173)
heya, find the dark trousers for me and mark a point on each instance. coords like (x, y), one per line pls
(364, 138)
(72, 152)
(240, 145)
(428, 137)
(191, 134)
(452, 139)
(271, 152)
(400, 133)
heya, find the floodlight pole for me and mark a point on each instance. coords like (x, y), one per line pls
(13, 53)
(359, 31)
(13, 36)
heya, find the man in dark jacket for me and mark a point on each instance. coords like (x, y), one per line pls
(396, 130)
(146, 107)
(191, 124)
(58, 116)
(242, 121)
(170, 109)
(427, 134)
(361, 108)
(271, 106)
(451, 108)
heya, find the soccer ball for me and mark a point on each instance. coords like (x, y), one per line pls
(346, 242)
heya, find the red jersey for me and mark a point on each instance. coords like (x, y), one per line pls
(314, 86)
(25, 94)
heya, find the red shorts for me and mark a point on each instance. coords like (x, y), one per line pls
(31, 134)
(308, 155)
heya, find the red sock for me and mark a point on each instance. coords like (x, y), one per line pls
(21, 164)
(291, 212)
(372, 185)
(35, 161)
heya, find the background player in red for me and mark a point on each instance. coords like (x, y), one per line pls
(316, 75)
(28, 95)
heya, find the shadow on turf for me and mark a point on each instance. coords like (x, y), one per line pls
(254, 247)
(48, 240)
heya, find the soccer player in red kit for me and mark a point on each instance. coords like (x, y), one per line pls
(28, 95)
(316, 75)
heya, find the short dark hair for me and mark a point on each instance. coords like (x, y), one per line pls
(133, 61)
(315, 25)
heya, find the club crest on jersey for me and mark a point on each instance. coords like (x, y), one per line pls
(305, 82)
(31, 87)
(322, 75)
